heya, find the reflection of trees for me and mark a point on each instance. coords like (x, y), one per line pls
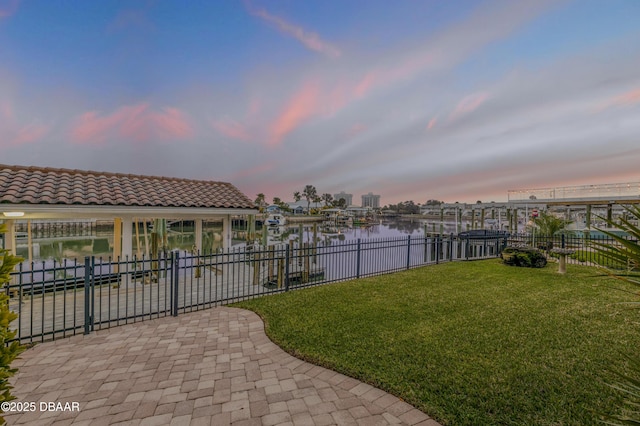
(405, 226)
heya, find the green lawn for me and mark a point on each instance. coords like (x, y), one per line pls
(469, 343)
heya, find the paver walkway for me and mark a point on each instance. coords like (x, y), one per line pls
(212, 367)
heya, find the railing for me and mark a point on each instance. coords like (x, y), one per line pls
(629, 190)
(58, 299)
(580, 243)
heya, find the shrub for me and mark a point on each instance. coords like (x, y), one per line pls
(523, 256)
(10, 351)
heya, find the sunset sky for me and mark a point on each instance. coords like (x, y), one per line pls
(413, 100)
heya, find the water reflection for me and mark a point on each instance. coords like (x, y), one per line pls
(100, 242)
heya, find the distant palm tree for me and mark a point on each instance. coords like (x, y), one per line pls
(327, 198)
(309, 193)
(297, 196)
(260, 201)
(316, 200)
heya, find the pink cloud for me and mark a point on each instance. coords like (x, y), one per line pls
(626, 99)
(30, 133)
(135, 122)
(363, 86)
(432, 123)
(300, 107)
(172, 123)
(355, 129)
(13, 132)
(8, 8)
(468, 105)
(231, 129)
(252, 171)
(309, 39)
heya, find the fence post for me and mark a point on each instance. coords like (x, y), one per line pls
(408, 251)
(438, 247)
(426, 251)
(87, 295)
(563, 242)
(93, 292)
(175, 278)
(358, 260)
(286, 268)
(450, 256)
(466, 248)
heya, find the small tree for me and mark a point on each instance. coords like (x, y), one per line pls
(340, 203)
(8, 351)
(327, 198)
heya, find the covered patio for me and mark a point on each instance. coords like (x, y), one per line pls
(39, 193)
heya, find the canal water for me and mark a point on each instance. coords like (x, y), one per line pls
(99, 241)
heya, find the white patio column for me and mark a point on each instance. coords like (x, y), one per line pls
(10, 236)
(127, 238)
(117, 238)
(198, 235)
(226, 232)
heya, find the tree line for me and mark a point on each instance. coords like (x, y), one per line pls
(311, 195)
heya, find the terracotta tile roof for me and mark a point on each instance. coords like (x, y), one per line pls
(42, 185)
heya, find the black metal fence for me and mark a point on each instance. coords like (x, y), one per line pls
(57, 299)
(580, 246)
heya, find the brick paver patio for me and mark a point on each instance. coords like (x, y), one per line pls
(212, 367)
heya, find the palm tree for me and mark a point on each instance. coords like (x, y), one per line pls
(624, 252)
(297, 196)
(309, 193)
(260, 201)
(316, 199)
(624, 255)
(548, 224)
(327, 198)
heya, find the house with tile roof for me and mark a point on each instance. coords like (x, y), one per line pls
(28, 193)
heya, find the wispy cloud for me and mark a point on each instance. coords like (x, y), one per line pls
(231, 129)
(629, 98)
(299, 108)
(468, 104)
(133, 122)
(8, 8)
(14, 132)
(308, 38)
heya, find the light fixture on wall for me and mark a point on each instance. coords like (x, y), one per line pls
(13, 214)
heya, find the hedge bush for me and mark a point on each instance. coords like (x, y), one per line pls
(523, 256)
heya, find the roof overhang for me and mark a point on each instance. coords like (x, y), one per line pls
(64, 211)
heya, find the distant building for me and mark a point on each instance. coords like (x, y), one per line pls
(370, 200)
(300, 207)
(348, 198)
